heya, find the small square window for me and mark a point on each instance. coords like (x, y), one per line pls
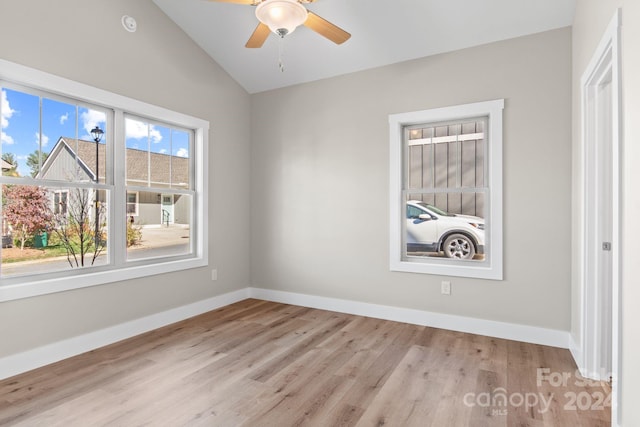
(132, 203)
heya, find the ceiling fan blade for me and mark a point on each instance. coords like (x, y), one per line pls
(249, 2)
(326, 28)
(258, 37)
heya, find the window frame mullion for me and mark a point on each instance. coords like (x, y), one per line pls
(119, 203)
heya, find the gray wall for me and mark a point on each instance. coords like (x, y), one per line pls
(160, 65)
(149, 211)
(591, 20)
(320, 181)
(181, 209)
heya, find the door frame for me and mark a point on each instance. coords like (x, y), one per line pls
(173, 208)
(603, 67)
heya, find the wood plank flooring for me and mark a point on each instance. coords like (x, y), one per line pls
(258, 363)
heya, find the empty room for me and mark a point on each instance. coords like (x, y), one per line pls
(319, 212)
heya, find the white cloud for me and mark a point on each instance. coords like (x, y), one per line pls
(45, 139)
(64, 118)
(140, 130)
(182, 152)
(6, 139)
(91, 119)
(154, 134)
(7, 112)
(163, 151)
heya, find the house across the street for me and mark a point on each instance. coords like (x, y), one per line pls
(75, 159)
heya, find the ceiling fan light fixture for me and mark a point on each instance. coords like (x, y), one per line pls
(281, 16)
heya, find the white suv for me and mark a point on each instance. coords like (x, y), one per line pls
(430, 229)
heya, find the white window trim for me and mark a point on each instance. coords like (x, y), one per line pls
(36, 285)
(490, 269)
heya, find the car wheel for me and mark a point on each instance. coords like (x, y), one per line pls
(459, 246)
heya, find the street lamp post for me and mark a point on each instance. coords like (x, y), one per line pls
(97, 133)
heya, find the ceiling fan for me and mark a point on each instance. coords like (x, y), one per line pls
(283, 16)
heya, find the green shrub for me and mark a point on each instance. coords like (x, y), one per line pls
(134, 233)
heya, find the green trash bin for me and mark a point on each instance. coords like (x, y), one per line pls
(40, 240)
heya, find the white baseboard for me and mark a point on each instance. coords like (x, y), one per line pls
(576, 352)
(510, 331)
(41, 356)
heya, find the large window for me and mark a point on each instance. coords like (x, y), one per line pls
(446, 191)
(96, 187)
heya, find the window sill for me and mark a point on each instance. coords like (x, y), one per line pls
(473, 271)
(34, 288)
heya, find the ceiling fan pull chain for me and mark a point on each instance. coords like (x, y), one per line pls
(280, 52)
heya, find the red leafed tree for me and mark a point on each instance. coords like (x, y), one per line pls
(27, 210)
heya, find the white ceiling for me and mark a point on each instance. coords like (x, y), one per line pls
(383, 32)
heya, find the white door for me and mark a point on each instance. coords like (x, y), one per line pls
(603, 228)
(601, 233)
(167, 209)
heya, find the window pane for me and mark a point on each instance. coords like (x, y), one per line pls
(69, 150)
(160, 156)
(137, 153)
(157, 156)
(180, 176)
(25, 145)
(434, 231)
(162, 227)
(450, 156)
(20, 130)
(446, 223)
(52, 229)
(58, 128)
(92, 157)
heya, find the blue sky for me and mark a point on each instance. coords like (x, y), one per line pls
(22, 114)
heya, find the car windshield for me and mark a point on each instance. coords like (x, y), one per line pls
(435, 210)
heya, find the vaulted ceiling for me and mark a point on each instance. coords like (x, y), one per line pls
(383, 32)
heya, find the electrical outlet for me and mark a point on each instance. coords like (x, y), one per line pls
(214, 274)
(445, 288)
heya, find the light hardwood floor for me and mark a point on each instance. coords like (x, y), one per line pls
(258, 363)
